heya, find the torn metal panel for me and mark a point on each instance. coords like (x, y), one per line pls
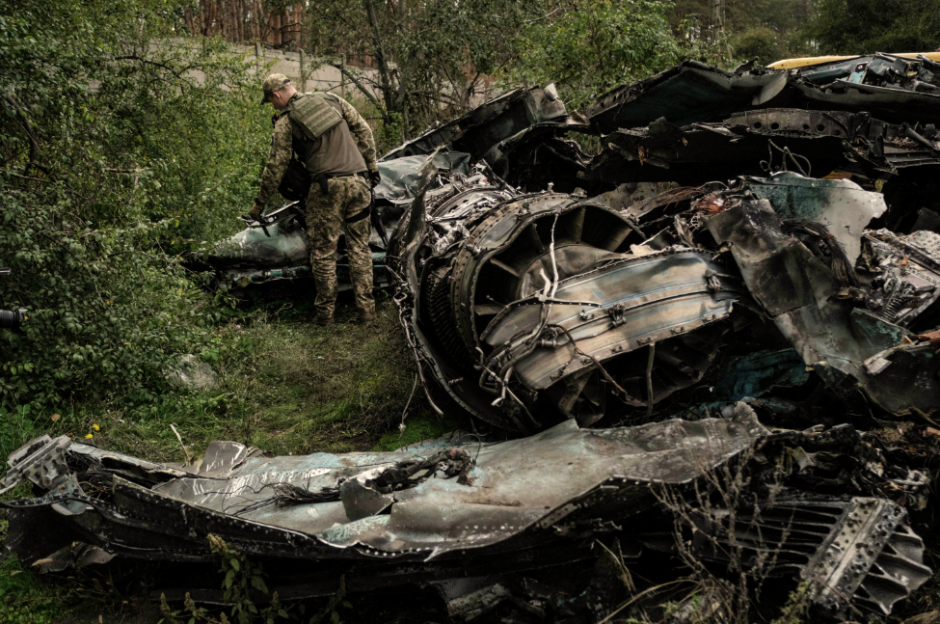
(904, 274)
(891, 87)
(756, 374)
(282, 242)
(888, 103)
(895, 89)
(323, 505)
(842, 206)
(493, 122)
(691, 92)
(457, 508)
(400, 176)
(801, 296)
(756, 142)
(854, 553)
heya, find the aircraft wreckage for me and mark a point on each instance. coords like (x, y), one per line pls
(716, 339)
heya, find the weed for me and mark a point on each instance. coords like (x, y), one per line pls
(16, 428)
(330, 612)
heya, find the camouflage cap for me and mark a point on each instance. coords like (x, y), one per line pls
(274, 82)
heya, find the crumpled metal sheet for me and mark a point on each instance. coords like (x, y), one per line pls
(493, 122)
(693, 92)
(842, 206)
(801, 295)
(400, 176)
(456, 507)
(685, 94)
(753, 143)
(905, 272)
(514, 489)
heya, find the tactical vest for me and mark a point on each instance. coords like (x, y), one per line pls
(313, 115)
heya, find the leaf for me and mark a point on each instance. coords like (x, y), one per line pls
(258, 583)
(234, 563)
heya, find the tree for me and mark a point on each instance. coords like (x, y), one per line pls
(431, 57)
(588, 46)
(114, 155)
(868, 26)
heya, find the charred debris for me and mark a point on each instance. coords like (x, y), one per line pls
(715, 339)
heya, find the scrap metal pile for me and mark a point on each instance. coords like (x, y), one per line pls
(716, 339)
(530, 308)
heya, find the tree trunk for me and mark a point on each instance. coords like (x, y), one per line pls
(385, 75)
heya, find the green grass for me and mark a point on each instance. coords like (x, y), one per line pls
(285, 386)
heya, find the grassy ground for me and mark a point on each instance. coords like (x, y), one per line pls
(284, 385)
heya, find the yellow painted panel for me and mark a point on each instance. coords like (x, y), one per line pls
(816, 60)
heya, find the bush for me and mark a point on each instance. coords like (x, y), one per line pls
(120, 150)
(757, 43)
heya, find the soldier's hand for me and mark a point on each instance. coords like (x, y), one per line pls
(375, 177)
(256, 211)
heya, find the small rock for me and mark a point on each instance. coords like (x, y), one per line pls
(191, 372)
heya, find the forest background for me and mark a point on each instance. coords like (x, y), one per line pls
(115, 160)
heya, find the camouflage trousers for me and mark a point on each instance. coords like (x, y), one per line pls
(345, 197)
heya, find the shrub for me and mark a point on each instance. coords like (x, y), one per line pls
(120, 150)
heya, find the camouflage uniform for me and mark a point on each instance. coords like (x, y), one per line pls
(326, 213)
(346, 197)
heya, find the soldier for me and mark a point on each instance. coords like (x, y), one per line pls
(335, 145)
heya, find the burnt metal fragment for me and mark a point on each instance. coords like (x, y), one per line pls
(525, 305)
(483, 520)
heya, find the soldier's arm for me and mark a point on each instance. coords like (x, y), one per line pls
(362, 132)
(278, 158)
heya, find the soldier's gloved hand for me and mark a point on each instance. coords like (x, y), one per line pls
(256, 211)
(375, 177)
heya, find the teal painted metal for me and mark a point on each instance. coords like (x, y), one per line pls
(755, 374)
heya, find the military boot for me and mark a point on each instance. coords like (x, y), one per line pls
(323, 319)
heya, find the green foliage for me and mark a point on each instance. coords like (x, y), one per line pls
(284, 385)
(17, 427)
(22, 599)
(760, 43)
(594, 45)
(796, 609)
(116, 156)
(416, 430)
(430, 56)
(869, 26)
(241, 578)
(390, 133)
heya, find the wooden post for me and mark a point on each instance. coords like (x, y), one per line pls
(303, 77)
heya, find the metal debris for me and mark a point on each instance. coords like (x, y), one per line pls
(458, 507)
